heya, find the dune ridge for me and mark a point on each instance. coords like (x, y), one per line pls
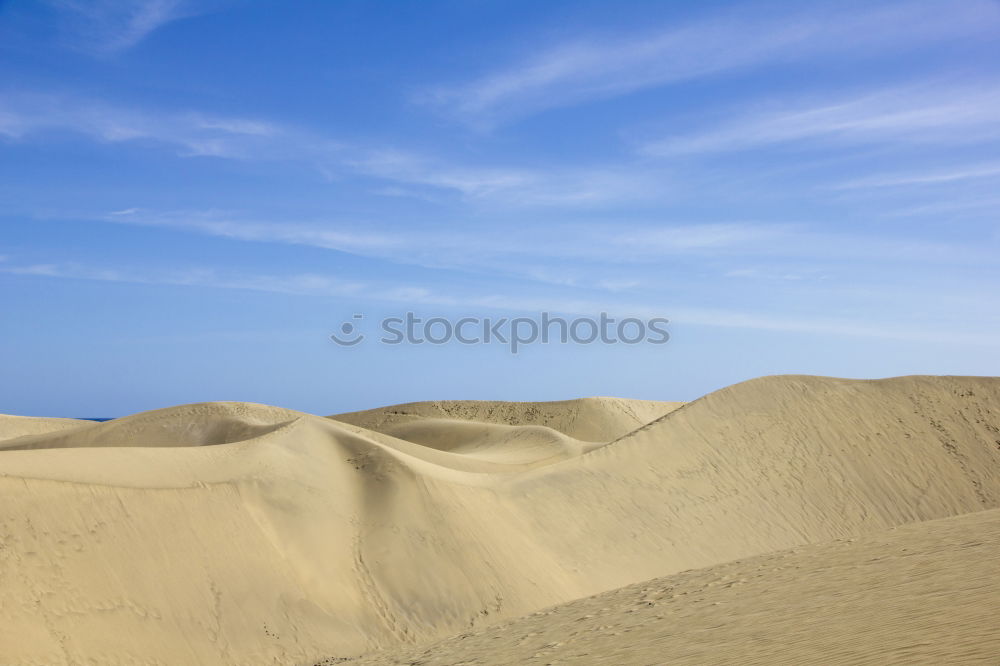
(585, 419)
(232, 533)
(12, 427)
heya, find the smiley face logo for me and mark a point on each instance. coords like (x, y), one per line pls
(350, 335)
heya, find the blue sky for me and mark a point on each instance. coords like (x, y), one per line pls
(194, 195)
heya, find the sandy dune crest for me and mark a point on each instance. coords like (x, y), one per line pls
(21, 426)
(232, 533)
(585, 419)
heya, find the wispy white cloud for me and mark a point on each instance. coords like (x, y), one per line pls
(831, 326)
(604, 243)
(695, 238)
(308, 283)
(603, 66)
(923, 114)
(983, 206)
(110, 26)
(29, 116)
(407, 168)
(560, 253)
(409, 296)
(518, 186)
(955, 174)
(351, 238)
(770, 273)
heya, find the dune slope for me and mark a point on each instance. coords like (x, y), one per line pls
(12, 427)
(229, 533)
(922, 593)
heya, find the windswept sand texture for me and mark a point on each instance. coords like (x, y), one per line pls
(231, 533)
(921, 593)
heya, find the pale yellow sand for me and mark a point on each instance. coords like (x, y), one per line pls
(19, 426)
(924, 593)
(586, 419)
(231, 533)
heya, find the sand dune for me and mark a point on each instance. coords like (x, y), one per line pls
(586, 419)
(919, 594)
(231, 533)
(19, 426)
(189, 425)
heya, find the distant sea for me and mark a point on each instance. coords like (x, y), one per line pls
(93, 418)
